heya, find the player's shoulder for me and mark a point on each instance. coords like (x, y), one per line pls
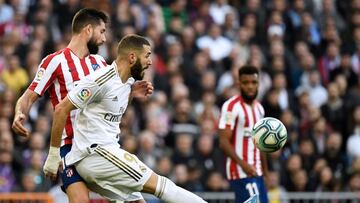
(55, 57)
(97, 56)
(233, 100)
(231, 103)
(103, 75)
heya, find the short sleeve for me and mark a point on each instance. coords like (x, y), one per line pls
(227, 117)
(45, 74)
(85, 92)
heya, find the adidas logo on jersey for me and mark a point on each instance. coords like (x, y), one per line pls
(115, 98)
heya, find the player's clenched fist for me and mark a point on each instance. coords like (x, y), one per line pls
(52, 163)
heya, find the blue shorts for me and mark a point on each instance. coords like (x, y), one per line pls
(246, 187)
(69, 175)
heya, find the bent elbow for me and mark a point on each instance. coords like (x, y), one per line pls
(59, 109)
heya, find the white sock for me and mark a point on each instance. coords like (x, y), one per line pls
(167, 191)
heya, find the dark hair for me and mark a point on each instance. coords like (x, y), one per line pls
(248, 70)
(131, 42)
(87, 16)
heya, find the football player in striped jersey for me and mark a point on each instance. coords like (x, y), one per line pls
(245, 164)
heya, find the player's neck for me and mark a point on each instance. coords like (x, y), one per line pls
(123, 70)
(79, 46)
(248, 101)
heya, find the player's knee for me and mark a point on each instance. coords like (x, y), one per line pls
(151, 184)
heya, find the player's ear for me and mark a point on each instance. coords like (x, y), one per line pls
(132, 58)
(89, 29)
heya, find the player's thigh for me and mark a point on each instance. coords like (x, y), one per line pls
(123, 170)
(78, 192)
(263, 197)
(244, 188)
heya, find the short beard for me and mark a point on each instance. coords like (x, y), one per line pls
(249, 99)
(92, 46)
(137, 70)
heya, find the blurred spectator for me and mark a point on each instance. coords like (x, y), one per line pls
(276, 192)
(175, 11)
(6, 12)
(183, 122)
(300, 181)
(335, 158)
(15, 77)
(215, 44)
(354, 182)
(328, 10)
(286, 97)
(7, 172)
(147, 152)
(327, 181)
(352, 145)
(207, 156)
(319, 134)
(329, 62)
(164, 166)
(146, 12)
(218, 11)
(216, 183)
(345, 68)
(184, 152)
(293, 164)
(333, 110)
(317, 93)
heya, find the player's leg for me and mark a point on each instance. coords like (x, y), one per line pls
(263, 197)
(167, 191)
(73, 184)
(78, 192)
(244, 188)
(115, 173)
(137, 201)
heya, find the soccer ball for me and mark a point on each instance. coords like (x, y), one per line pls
(269, 134)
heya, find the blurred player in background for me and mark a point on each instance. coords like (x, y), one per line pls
(102, 99)
(58, 73)
(245, 164)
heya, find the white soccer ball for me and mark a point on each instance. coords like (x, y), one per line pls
(269, 134)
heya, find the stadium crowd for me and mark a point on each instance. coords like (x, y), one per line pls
(308, 53)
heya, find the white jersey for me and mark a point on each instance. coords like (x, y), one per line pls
(101, 99)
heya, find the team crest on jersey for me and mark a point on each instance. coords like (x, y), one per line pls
(69, 172)
(95, 66)
(84, 94)
(39, 74)
(228, 118)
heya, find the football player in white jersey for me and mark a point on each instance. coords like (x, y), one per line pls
(102, 99)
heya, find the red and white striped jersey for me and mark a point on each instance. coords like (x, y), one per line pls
(58, 73)
(240, 117)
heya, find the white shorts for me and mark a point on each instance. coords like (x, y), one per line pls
(114, 173)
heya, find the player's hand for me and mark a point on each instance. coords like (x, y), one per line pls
(18, 125)
(142, 89)
(248, 169)
(52, 163)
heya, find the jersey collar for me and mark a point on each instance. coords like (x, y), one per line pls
(130, 81)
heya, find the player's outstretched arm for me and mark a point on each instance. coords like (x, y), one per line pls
(22, 109)
(53, 159)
